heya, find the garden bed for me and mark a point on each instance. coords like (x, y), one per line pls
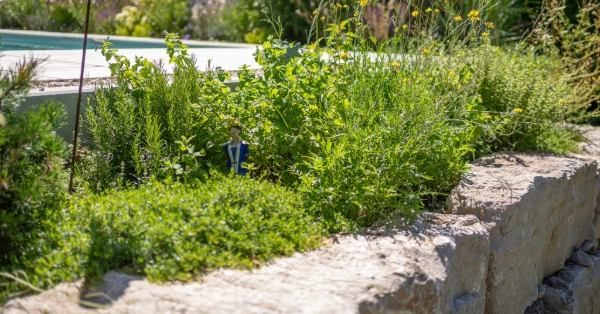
(337, 145)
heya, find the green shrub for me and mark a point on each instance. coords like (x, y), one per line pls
(569, 31)
(136, 127)
(528, 91)
(152, 18)
(208, 22)
(31, 185)
(24, 14)
(132, 22)
(170, 231)
(365, 134)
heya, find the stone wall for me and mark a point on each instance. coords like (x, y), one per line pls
(573, 289)
(538, 209)
(522, 236)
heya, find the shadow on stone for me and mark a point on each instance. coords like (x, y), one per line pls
(109, 291)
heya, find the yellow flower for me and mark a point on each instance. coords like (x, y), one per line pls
(345, 6)
(344, 56)
(561, 102)
(315, 12)
(518, 110)
(426, 51)
(362, 3)
(358, 24)
(395, 64)
(451, 73)
(484, 34)
(458, 18)
(339, 6)
(405, 81)
(355, 13)
(489, 117)
(474, 16)
(436, 11)
(404, 26)
(473, 13)
(415, 13)
(429, 10)
(323, 18)
(489, 24)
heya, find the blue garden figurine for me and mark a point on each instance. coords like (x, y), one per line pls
(236, 150)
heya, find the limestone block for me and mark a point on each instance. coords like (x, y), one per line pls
(537, 208)
(438, 265)
(591, 150)
(575, 289)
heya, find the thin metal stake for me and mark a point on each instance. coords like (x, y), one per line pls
(85, 35)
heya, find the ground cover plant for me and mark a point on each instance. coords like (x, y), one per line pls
(345, 132)
(170, 231)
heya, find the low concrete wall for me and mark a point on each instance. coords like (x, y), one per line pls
(68, 97)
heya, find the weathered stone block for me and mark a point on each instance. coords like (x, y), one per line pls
(438, 265)
(538, 208)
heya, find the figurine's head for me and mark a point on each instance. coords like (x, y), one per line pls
(235, 130)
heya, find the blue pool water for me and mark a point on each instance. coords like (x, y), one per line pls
(37, 42)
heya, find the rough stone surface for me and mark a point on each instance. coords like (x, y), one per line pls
(587, 246)
(541, 291)
(538, 307)
(537, 208)
(581, 259)
(575, 289)
(438, 265)
(591, 150)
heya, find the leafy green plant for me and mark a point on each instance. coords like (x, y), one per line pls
(31, 181)
(362, 134)
(139, 123)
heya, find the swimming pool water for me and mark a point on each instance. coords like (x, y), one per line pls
(37, 42)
